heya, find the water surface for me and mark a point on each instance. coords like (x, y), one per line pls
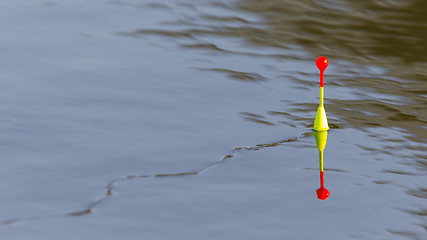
(192, 120)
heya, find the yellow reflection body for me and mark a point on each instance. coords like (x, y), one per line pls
(321, 138)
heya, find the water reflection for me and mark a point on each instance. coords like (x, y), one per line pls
(321, 137)
(379, 48)
(385, 37)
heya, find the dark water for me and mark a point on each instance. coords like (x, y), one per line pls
(191, 120)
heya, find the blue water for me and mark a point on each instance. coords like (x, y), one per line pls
(121, 119)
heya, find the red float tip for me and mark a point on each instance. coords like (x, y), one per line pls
(322, 63)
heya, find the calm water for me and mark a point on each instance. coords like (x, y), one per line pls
(181, 120)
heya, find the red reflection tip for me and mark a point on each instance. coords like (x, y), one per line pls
(322, 63)
(322, 193)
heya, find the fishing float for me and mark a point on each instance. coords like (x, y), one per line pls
(321, 137)
(321, 128)
(321, 121)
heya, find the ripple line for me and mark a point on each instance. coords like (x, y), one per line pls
(110, 185)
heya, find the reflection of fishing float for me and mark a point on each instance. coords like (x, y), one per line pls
(321, 127)
(321, 137)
